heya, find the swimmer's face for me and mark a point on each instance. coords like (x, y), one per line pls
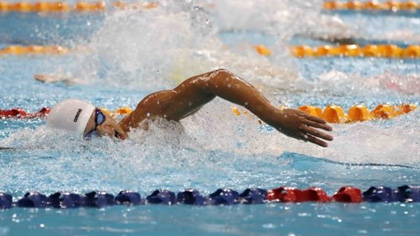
(102, 124)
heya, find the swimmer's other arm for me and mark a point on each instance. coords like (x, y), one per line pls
(193, 93)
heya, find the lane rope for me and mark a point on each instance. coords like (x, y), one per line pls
(20, 50)
(373, 5)
(353, 50)
(222, 196)
(356, 113)
(299, 51)
(59, 7)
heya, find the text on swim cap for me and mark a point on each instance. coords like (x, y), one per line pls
(77, 115)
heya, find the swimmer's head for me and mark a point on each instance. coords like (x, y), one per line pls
(71, 115)
(82, 118)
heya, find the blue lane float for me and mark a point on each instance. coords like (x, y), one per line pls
(128, 197)
(407, 193)
(100, 199)
(34, 200)
(6, 201)
(253, 196)
(191, 197)
(403, 193)
(224, 197)
(164, 197)
(66, 200)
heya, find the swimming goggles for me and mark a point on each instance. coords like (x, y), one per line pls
(99, 120)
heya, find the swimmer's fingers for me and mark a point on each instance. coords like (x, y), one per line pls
(47, 78)
(309, 138)
(316, 133)
(319, 125)
(40, 78)
(316, 141)
(315, 121)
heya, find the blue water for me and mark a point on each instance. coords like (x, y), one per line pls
(269, 219)
(132, 54)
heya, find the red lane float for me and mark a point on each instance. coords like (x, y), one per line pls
(19, 113)
(314, 194)
(348, 194)
(288, 194)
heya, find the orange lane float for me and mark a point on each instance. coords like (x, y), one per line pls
(359, 113)
(59, 6)
(372, 5)
(312, 110)
(33, 50)
(122, 111)
(334, 114)
(235, 111)
(262, 50)
(356, 113)
(303, 51)
(405, 108)
(353, 50)
(384, 112)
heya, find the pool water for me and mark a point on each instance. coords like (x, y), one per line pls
(126, 55)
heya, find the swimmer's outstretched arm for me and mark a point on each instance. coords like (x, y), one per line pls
(196, 91)
(68, 80)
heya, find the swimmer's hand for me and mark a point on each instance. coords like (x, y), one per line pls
(300, 125)
(68, 80)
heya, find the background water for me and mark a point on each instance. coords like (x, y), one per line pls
(128, 54)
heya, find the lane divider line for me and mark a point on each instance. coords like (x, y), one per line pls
(353, 50)
(356, 113)
(299, 51)
(372, 5)
(222, 196)
(61, 7)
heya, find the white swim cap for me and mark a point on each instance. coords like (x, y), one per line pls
(71, 115)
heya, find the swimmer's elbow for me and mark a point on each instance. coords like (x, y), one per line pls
(219, 76)
(222, 72)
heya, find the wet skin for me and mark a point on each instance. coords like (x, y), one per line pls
(193, 93)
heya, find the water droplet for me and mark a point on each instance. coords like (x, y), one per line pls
(269, 226)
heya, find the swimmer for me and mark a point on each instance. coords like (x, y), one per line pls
(86, 120)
